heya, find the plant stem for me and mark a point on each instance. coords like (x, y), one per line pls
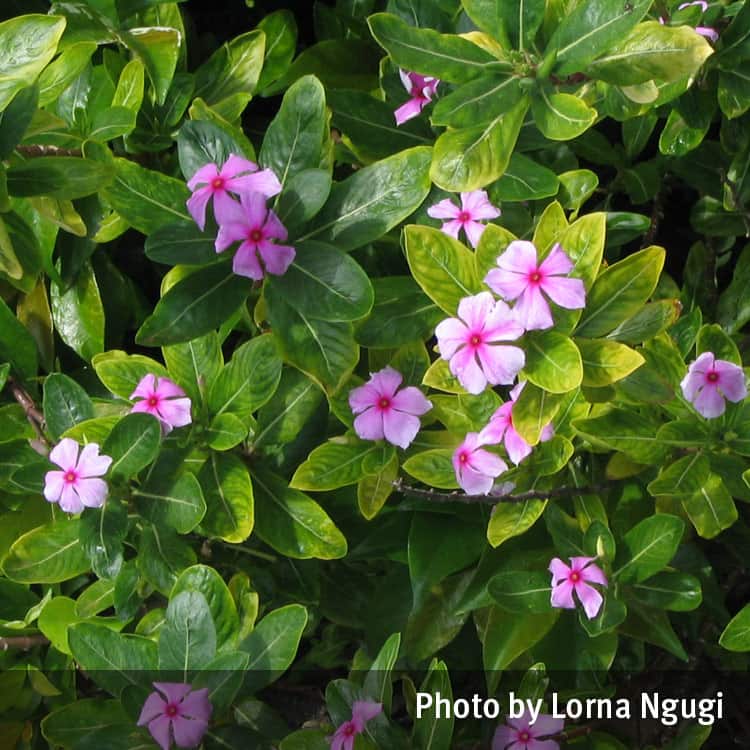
(30, 408)
(23, 642)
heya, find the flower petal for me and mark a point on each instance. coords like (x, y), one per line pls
(546, 725)
(594, 574)
(412, 401)
(188, 732)
(265, 182)
(474, 482)
(475, 310)
(709, 402)
(91, 464)
(506, 284)
(167, 388)
(478, 205)
(408, 111)
(145, 388)
(400, 428)
(53, 485)
(363, 711)
(228, 234)
(464, 366)
(557, 263)
(153, 706)
(69, 500)
(452, 228)
(560, 571)
(246, 263)
(451, 334)
(487, 463)
(254, 206)
(731, 380)
(92, 492)
(445, 209)
(519, 257)
(369, 425)
(276, 258)
(504, 738)
(590, 598)
(386, 381)
(159, 729)
(176, 411)
(65, 454)
(568, 293)
(516, 446)
(274, 228)
(501, 364)
(174, 692)
(196, 205)
(363, 397)
(203, 176)
(474, 231)
(502, 324)
(236, 165)
(562, 595)
(533, 310)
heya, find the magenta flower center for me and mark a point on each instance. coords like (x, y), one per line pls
(475, 339)
(218, 183)
(524, 736)
(712, 376)
(575, 577)
(153, 400)
(70, 476)
(349, 729)
(384, 402)
(171, 710)
(464, 216)
(255, 235)
(463, 457)
(535, 277)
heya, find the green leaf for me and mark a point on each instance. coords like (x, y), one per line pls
(59, 74)
(559, 116)
(133, 444)
(734, 90)
(434, 731)
(444, 56)
(27, 44)
(524, 180)
(158, 48)
(130, 86)
(195, 364)
(553, 362)
(325, 351)
(378, 681)
(648, 547)
(736, 635)
(652, 51)
(293, 523)
(162, 555)
(146, 199)
(178, 504)
(206, 581)
(606, 362)
(16, 344)
(712, 338)
(593, 27)
(626, 431)
(304, 194)
(576, 187)
(441, 265)
(374, 489)
(365, 206)
(248, 380)
(534, 409)
(652, 626)
(65, 404)
(187, 641)
(401, 314)
(471, 158)
(511, 519)
(233, 69)
(201, 142)
(228, 493)
(525, 592)
(478, 101)
(194, 306)
(651, 319)
(225, 432)
(433, 467)
(91, 723)
(620, 291)
(325, 283)
(47, 554)
(711, 509)
(114, 660)
(295, 137)
(121, 372)
(78, 314)
(65, 177)
(15, 120)
(676, 592)
(181, 242)
(280, 28)
(273, 645)
(102, 533)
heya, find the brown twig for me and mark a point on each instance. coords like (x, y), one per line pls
(520, 497)
(35, 151)
(35, 417)
(23, 642)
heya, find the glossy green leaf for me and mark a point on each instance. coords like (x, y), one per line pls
(195, 364)
(65, 404)
(178, 504)
(202, 142)
(648, 547)
(525, 180)
(16, 344)
(521, 591)
(433, 467)
(511, 519)
(736, 635)
(478, 101)
(121, 372)
(280, 29)
(560, 116)
(304, 194)
(606, 362)
(676, 592)
(133, 444)
(65, 177)
(188, 639)
(102, 533)
(553, 362)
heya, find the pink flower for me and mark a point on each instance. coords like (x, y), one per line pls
(476, 469)
(474, 206)
(709, 381)
(566, 580)
(234, 177)
(77, 486)
(470, 343)
(176, 712)
(421, 89)
(501, 430)
(163, 399)
(362, 711)
(384, 412)
(520, 277)
(255, 226)
(521, 734)
(706, 31)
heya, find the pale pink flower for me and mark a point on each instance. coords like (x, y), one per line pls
(501, 430)
(163, 399)
(255, 226)
(577, 577)
(421, 90)
(520, 277)
(476, 469)
(362, 711)
(474, 207)
(176, 711)
(237, 176)
(521, 734)
(470, 342)
(386, 412)
(77, 486)
(709, 381)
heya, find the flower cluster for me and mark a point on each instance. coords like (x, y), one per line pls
(472, 343)
(248, 220)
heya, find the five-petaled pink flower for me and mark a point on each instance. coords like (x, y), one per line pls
(78, 485)
(386, 412)
(421, 90)
(521, 734)
(577, 577)
(521, 277)
(255, 226)
(176, 711)
(476, 469)
(163, 399)
(470, 343)
(474, 207)
(501, 430)
(237, 176)
(709, 381)
(362, 711)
